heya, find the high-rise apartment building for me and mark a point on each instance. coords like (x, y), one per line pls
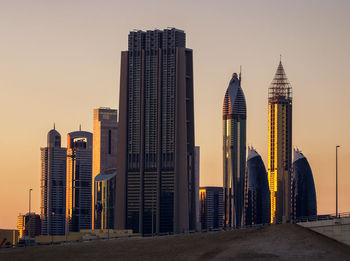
(79, 180)
(280, 146)
(53, 186)
(104, 155)
(211, 208)
(234, 152)
(155, 172)
(29, 225)
(304, 202)
(257, 199)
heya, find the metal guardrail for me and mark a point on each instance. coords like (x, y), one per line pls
(322, 217)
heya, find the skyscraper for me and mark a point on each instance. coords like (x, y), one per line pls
(155, 173)
(79, 180)
(303, 188)
(104, 196)
(104, 153)
(280, 145)
(257, 205)
(234, 152)
(53, 186)
(211, 208)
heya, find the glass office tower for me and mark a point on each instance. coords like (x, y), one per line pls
(53, 185)
(257, 204)
(156, 176)
(303, 188)
(104, 198)
(280, 146)
(234, 152)
(79, 180)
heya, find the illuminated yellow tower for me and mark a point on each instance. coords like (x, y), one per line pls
(280, 145)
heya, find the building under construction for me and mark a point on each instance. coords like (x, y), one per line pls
(280, 145)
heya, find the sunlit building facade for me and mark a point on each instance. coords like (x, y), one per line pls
(104, 155)
(79, 180)
(234, 153)
(53, 186)
(304, 202)
(29, 225)
(104, 198)
(155, 181)
(257, 198)
(211, 208)
(280, 146)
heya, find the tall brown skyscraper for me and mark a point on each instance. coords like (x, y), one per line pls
(104, 152)
(155, 173)
(280, 146)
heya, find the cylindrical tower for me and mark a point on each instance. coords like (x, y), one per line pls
(234, 152)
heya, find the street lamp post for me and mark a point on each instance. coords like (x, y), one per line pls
(336, 180)
(29, 216)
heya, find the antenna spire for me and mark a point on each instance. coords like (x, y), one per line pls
(240, 73)
(54, 126)
(280, 58)
(79, 127)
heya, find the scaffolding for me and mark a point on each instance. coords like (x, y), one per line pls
(280, 90)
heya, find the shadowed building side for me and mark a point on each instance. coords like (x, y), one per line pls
(53, 186)
(303, 188)
(155, 181)
(257, 205)
(280, 146)
(234, 153)
(211, 208)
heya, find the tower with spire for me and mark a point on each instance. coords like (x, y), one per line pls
(280, 145)
(234, 152)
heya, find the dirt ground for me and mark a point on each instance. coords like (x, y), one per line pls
(278, 242)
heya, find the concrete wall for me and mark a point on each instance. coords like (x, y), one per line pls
(338, 229)
(8, 236)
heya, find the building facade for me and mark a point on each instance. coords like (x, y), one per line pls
(280, 146)
(234, 153)
(211, 208)
(304, 201)
(104, 198)
(257, 199)
(104, 155)
(29, 224)
(53, 186)
(155, 181)
(79, 180)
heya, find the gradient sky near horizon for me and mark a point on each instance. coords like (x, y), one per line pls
(61, 59)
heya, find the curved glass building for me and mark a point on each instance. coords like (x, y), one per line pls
(234, 152)
(104, 198)
(303, 188)
(257, 204)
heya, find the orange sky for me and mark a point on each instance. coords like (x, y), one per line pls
(61, 59)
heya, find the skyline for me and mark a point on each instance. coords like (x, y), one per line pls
(66, 53)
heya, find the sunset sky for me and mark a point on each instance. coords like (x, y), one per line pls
(61, 59)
